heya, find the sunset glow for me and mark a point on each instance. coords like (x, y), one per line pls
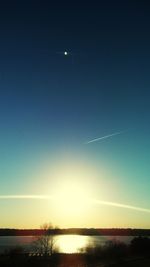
(72, 199)
(74, 114)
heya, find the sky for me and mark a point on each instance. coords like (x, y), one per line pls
(53, 105)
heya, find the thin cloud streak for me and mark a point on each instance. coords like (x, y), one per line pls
(91, 200)
(25, 197)
(103, 137)
(119, 205)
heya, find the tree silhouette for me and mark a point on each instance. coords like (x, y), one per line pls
(44, 244)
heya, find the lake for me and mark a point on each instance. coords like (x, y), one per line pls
(65, 243)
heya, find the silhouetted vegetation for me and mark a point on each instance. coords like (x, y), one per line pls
(45, 244)
(113, 253)
(140, 246)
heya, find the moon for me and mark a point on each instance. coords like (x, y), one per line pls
(65, 53)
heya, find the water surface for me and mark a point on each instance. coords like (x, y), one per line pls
(64, 243)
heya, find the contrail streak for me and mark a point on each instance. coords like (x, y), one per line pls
(25, 197)
(119, 205)
(91, 200)
(103, 137)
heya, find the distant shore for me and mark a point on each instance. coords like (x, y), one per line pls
(78, 231)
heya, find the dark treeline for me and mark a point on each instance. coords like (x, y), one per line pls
(80, 231)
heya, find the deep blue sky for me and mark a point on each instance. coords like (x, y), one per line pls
(49, 102)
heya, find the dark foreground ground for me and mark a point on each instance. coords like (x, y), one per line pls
(73, 260)
(113, 254)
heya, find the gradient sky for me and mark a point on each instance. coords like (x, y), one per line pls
(51, 105)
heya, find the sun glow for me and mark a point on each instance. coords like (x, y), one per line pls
(72, 188)
(71, 199)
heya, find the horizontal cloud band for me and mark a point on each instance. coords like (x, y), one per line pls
(25, 197)
(119, 205)
(94, 201)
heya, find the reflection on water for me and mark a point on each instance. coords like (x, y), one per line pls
(78, 243)
(71, 243)
(64, 243)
